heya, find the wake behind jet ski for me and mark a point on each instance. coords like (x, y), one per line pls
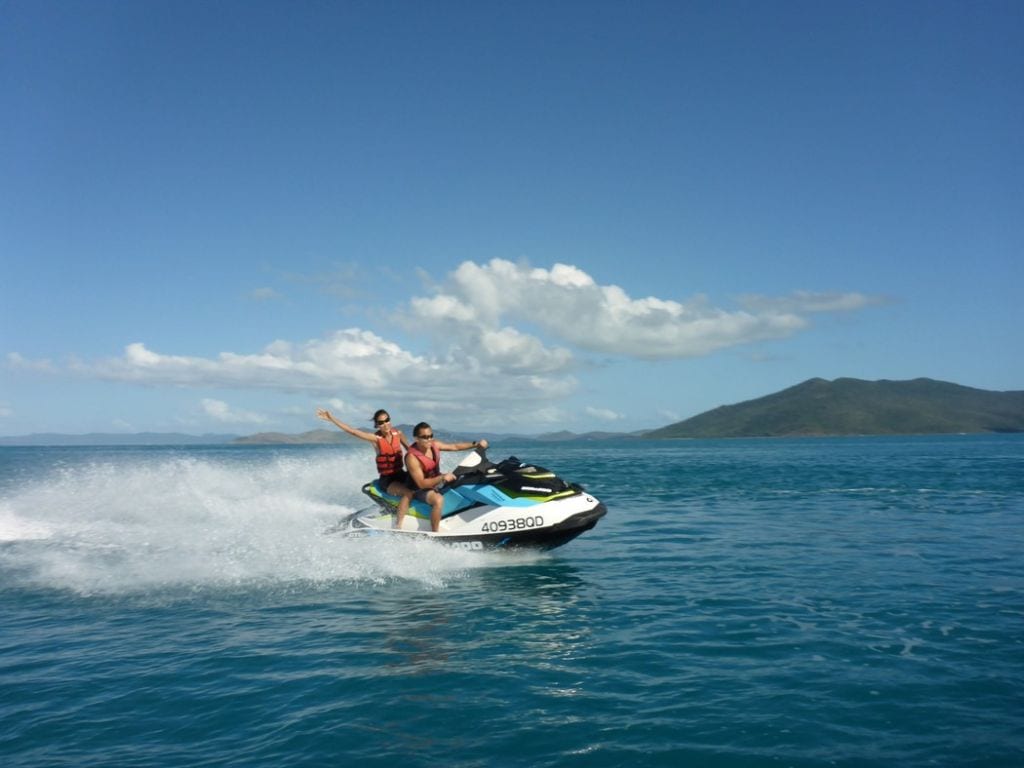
(506, 505)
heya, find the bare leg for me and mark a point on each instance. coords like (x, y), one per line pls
(436, 503)
(403, 504)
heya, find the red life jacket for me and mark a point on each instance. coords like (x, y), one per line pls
(431, 464)
(389, 456)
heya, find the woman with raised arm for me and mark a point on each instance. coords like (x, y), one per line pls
(388, 443)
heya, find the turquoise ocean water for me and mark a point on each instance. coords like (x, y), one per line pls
(815, 602)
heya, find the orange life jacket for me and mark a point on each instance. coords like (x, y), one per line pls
(389, 456)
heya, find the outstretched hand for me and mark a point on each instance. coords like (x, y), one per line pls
(324, 414)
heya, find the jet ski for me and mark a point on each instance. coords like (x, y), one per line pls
(507, 505)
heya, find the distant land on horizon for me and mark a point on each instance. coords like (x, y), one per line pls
(816, 407)
(326, 436)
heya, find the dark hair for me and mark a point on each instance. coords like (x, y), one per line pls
(380, 412)
(421, 426)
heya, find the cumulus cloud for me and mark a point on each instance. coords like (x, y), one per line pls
(222, 412)
(351, 358)
(361, 365)
(507, 342)
(567, 305)
(511, 350)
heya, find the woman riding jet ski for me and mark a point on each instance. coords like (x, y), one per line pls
(505, 505)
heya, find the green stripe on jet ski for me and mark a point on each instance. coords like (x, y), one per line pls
(535, 497)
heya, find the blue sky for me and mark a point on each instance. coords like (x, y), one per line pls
(511, 216)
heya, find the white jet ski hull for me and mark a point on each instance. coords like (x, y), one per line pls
(490, 506)
(539, 526)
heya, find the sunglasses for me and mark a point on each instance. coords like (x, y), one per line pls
(424, 437)
(382, 422)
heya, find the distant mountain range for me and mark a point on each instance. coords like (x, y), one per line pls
(857, 407)
(328, 436)
(313, 437)
(815, 407)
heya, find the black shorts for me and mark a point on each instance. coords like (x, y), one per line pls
(401, 476)
(421, 495)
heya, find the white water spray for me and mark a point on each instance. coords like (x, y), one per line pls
(142, 521)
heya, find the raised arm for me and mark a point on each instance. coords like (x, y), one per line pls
(460, 446)
(326, 416)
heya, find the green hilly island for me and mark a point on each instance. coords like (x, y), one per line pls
(858, 407)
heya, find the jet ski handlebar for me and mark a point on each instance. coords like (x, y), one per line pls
(475, 468)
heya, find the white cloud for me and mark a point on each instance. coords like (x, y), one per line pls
(6, 411)
(507, 335)
(512, 350)
(568, 305)
(808, 302)
(16, 362)
(604, 414)
(349, 358)
(363, 366)
(220, 411)
(551, 415)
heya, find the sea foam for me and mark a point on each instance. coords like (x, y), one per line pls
(142, 521)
